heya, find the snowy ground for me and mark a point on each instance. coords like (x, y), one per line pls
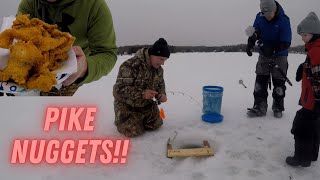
(245, 148)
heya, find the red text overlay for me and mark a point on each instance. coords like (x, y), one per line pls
(70, 151)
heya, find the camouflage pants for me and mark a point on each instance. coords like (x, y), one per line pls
(63, 91)
(135, 121)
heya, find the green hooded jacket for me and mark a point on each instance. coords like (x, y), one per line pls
(89, 21)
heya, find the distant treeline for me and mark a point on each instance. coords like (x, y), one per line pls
(175, 49)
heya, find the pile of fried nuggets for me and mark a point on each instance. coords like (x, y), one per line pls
(40, 48)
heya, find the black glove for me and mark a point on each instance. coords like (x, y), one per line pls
(248, 50)
(267, 51)
(251, 42)
(299, 72)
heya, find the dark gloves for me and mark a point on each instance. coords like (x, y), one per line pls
(267, 51)
(299, 72)
(251, 42)
(248, 50)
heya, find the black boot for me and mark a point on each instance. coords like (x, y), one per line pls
(277, 107)
(257, 110)
(305, 163)
(277, 114)
(260, 97)
(293, 161)
(278, 94)
(305, 148)
(301, 154)
(315, 148)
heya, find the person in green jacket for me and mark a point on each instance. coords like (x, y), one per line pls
(90, 22)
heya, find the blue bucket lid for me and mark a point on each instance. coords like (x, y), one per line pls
(212, 88)
(212, 118)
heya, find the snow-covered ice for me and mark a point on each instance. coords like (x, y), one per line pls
(245, 148)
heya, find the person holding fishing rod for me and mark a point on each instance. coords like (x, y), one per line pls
(139, 89)
(272, 30)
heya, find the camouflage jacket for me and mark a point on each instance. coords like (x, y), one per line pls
(136, 75)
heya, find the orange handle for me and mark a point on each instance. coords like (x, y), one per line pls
(162, 115)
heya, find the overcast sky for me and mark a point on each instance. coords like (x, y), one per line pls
(189, 22)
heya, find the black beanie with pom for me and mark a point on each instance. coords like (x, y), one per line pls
(160, 48)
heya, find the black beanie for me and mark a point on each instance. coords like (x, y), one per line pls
(160, 48)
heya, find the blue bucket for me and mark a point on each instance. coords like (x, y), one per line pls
(212, 100)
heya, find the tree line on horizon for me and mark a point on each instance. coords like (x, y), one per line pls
(123, 50)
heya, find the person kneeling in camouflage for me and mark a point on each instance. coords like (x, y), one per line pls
(139, 82)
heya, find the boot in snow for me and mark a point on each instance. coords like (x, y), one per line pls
(277, 107)
(293, 161)
(256, 111)
(277, 114)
